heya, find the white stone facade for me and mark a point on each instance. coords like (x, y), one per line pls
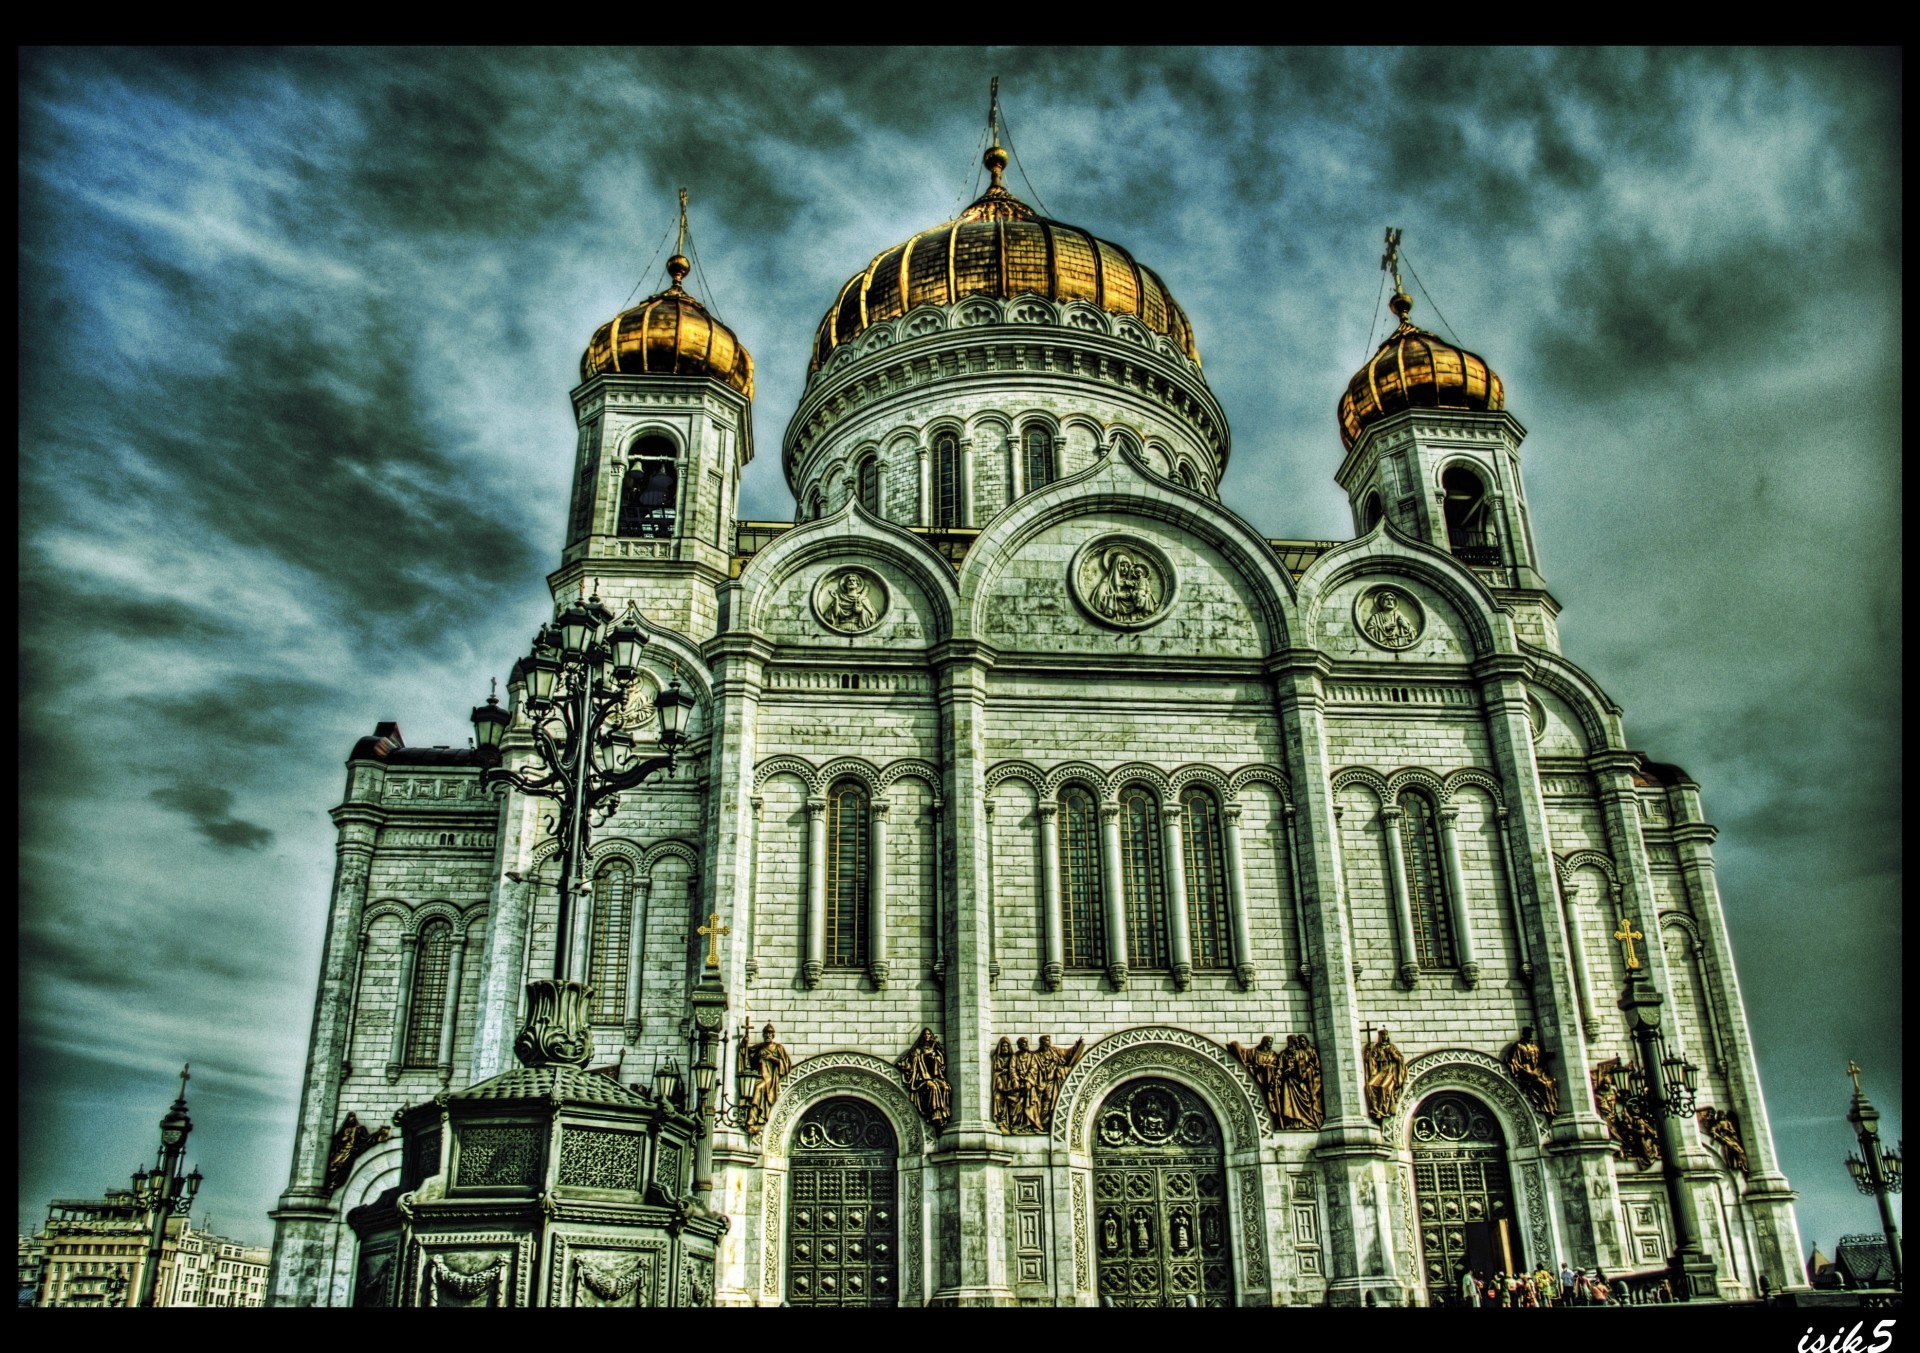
(986, 680)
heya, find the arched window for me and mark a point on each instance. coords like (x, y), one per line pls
(650, 490)
(946, 463)
(847, 875)
(1036, 466)
(869, 481)
(429, 1005)
(1206, 880)
(816, 505)
(1142, 848)
(1370, 512)
(1420, 841)
(1083, 915)
(612, 931)
(1184, 473)
(1470, 533)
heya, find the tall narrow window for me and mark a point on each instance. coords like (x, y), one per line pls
(1184, 474)
(1141, 852)
(1419, 838)
(429, 1004)
(612, 931)
(869, 475)
(1206, 880)
(1470, 533)
(651, 487)
(581, 518)
(1370, 512)
(946, 460)
(1083, 920)
(847, 875)
(816, 505)
(1037, 462)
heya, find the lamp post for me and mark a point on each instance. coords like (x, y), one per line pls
(579, 675)
(1875, 1170)
(163, 1191)
(1661, 1088)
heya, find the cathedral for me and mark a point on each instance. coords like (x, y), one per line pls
(1113, 906)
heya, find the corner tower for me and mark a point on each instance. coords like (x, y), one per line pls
(664, 407)
(1431, 449)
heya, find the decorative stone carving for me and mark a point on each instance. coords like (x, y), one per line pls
(349, 1144)
(924, 1068)
(556, 1032)
(1386, 1076)
(1527, 1065)
(1389, 617)
(1289, 1078)
(469, 1278)
(500, 1156)
(1027, 1081)
(1122, 582)
(850, 600)
(858, 1073)
(1157, 1050)
(1723, 1129)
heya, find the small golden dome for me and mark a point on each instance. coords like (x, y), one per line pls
(1414, 369)
(999, 247)
(670, 334)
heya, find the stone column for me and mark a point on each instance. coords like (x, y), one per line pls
(1457, 896)
(1390, 815)
(637, 956)
(926, 493)
(1114, 888)
(1521, 947)
(939, 894)
(816, 961)
(1016, 470)
(1303, 969)
(1577, 950)
(1237, 897)
(966, 481)
(1179, 923)
(750, 927)
(1055, 961)
(450, 1016)
(1577, 1141)
(402, 1006)
(877, 966)
(353, 1006)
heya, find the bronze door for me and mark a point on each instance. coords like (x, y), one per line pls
(842, 1224)
(1160, 1199)
(1463, 1194)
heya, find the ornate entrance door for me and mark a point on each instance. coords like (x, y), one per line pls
(1461, 1189)
(842, 1224)
(1160, 1199)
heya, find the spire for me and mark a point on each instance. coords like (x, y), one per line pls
(677, 266)
(1401, 304)
(996, 156)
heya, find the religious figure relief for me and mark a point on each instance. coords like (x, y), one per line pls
(770, 1064)
(1527, 1065)
(1289, 1078)
(924, 1067)
(1027, 1081)
(1386, 1069)
(1123, 583)
(349, 1144)
(1389, 617)
(1635, 1137)
(1724, 1130)
(851, 600)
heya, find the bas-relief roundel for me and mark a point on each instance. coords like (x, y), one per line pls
(1389, 617)
(1122, 582)
(638, 711)
(850, 600)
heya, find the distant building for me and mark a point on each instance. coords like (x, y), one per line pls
(93, 1252)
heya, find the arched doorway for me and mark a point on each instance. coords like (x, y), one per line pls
(1463, 1192)
(1160, 1199)
(842, 1222)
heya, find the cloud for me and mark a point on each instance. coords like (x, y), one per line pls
(208, 807)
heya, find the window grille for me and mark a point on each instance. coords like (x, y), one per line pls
(1432, 935)
(946, 455)
(612, 930)
(1083, 921)
(1141, 850)
(1038, 463)
(870, 484)
(1206, 880)
(847, 838)
(430, 967)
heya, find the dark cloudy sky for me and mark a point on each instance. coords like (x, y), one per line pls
(298, 329)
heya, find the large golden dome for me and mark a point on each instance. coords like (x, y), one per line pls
(1000, 247)
(1414, 369)
(670, 334)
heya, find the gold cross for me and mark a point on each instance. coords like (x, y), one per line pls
(714, 930)
(1853, 1070)
(1627, 933)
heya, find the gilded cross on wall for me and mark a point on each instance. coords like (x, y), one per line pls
(713, 930)
(1628, 935)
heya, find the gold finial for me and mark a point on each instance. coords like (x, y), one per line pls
(713, 930)
(1401, 304)
(677, 266)
(996, 158)
(1627, 934)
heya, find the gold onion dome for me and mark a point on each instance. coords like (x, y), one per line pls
(1414, 369)
(669, 334)
(1000, 247)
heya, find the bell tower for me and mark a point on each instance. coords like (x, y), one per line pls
(665, 412)
(1432, 450)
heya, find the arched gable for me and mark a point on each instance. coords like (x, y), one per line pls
(1198, 1063)
(1599, 717)
(1388, 554)
(850, 535)
(827, 1074)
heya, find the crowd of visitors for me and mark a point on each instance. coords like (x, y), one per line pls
(1544, 1288)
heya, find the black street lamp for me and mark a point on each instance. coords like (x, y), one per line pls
(1665, 1098)
(1875, 1170)
(579, 676)
(163, 1191)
